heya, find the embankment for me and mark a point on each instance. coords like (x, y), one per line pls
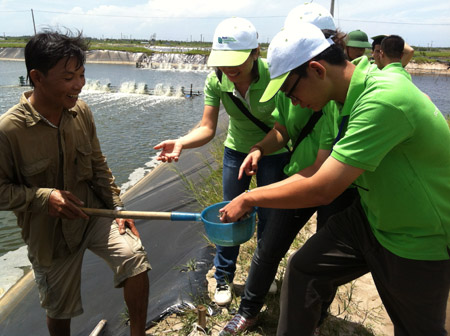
(141, 60)
(92, 56)
(12, 54)
(177, 61)
(428, 68)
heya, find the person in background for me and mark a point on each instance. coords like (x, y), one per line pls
(391, 54)
(50, 165)
(292, 122)
(395, 149)
(406, 54)
(356, 44)
(241, 75)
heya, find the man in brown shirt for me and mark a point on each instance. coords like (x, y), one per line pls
(51, 163)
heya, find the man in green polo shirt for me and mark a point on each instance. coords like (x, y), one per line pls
(407, 52)
(391, 55)
(393, 145)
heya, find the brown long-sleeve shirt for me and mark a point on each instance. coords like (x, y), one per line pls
(29, 166)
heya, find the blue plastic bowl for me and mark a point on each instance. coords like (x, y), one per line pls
(227, 234)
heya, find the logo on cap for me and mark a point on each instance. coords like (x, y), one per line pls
(226, 39)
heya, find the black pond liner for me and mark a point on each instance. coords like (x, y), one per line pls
(178, 252)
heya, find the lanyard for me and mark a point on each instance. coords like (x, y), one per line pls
(341, 127)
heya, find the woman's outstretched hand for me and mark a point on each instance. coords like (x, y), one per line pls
(171, 150)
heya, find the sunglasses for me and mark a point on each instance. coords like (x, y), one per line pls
(289, 93)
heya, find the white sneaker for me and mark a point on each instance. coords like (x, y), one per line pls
(273, 287)
(223, 295)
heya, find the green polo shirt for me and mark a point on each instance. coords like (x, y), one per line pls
(402, 141)
(397, 67)
(294, 118)
(334, 111)
(242, 132)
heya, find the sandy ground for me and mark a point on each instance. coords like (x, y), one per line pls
(428, 69)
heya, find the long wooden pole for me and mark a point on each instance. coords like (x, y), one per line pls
(98, 328)
(127, 214)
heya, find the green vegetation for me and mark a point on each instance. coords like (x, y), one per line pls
(135, 46)
(114, 47)
(441, 55)
(19, 39)
(420, 60)
(12, 44)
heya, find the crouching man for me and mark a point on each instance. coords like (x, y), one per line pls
(393, 145)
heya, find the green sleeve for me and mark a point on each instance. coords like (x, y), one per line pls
(279, 106)
(212, 90)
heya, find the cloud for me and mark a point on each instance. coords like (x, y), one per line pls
(183, 20)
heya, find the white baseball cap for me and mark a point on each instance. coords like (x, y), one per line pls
(289, 49)
(310, 13)
(233, 42)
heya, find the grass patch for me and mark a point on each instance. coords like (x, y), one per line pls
(209, 190)
(422, 59)
(13, 45)
(113, 47)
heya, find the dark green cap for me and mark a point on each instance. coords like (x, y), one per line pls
(358, 39)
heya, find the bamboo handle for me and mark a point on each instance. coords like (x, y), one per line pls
(126, 214)
(98, 328)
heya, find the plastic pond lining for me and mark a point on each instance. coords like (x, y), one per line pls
(170, 247)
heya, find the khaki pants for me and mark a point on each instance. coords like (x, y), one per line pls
(59, 284)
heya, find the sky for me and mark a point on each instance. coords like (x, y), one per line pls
(420, 23)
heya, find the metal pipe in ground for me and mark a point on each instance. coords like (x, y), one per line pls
(201, 312)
